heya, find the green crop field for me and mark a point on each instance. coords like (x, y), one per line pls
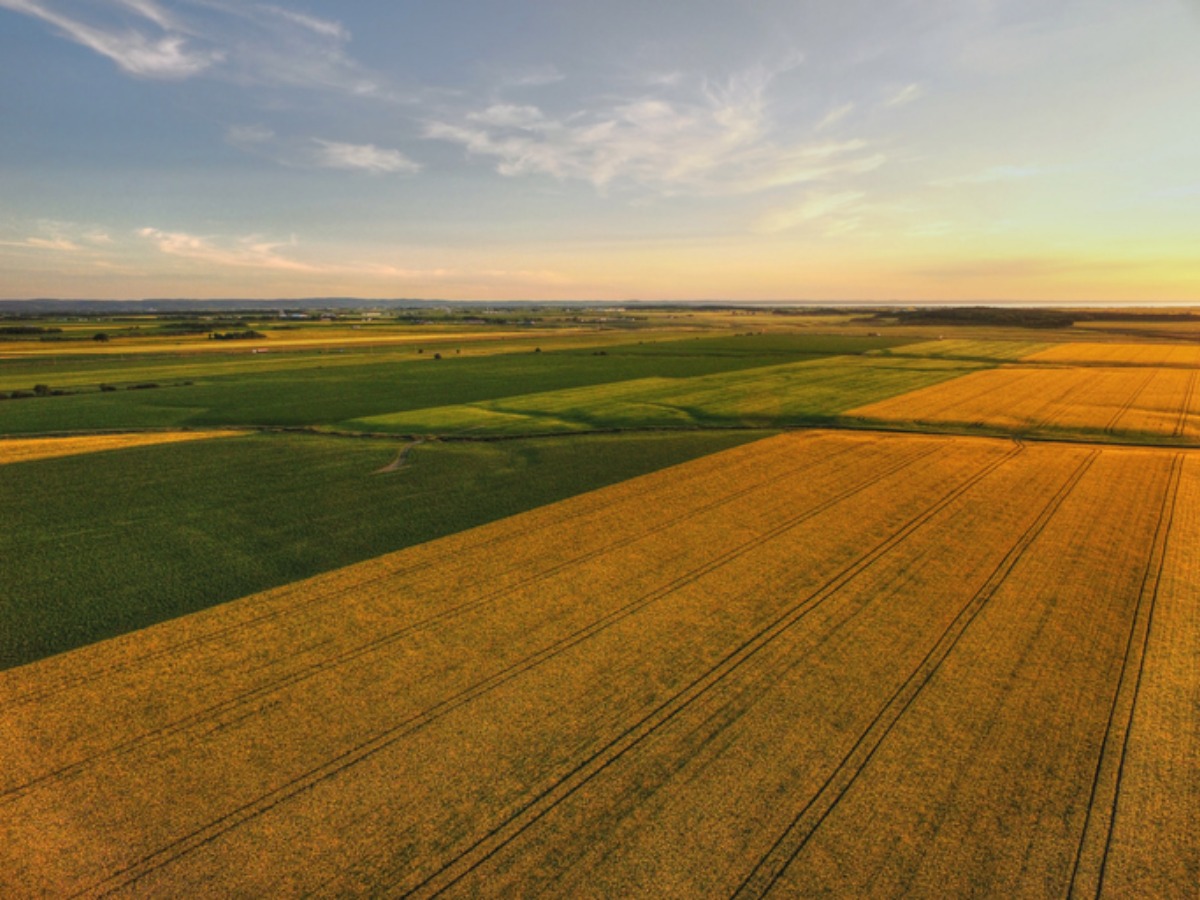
(765, 396)
(959, 348)
(320, 390)
(106, 543)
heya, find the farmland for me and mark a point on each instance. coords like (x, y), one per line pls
(715, 603)
(50, 448)
(148, 527)
(307, 389)
(770, 396)
(1157, 354)
(709, 680)
(1150, 403)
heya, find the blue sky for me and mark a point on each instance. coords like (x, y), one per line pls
(918, 149)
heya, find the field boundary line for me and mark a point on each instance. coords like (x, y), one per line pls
(383, 641)
(1095, 839)
(381, 740)
(550, 797)
(787, 847)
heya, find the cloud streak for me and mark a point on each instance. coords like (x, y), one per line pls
(906, 95)
(362, 158)
(836, 213)
(719, 138)
(244, 42)
(247, 252)
(255, 252)
(35, 243)
(167, 54)
(320, 153)
(61, 237)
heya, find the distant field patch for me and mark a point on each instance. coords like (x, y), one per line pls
(16, 450)
(1161, 354)
(958, 348)
(771, 396)
(326, 388)
(821, 664)
(1158, 404)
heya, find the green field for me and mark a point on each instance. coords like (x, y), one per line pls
(314, 389)
(106, 543)
(983, 350)
(766, 396)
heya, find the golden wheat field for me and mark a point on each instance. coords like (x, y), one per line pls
(875, 663)
(14, 450)
(1154, 402)
(1145, 354)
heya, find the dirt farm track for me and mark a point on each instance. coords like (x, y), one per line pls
(823, 662)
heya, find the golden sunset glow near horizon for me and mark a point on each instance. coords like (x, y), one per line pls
(927, 150)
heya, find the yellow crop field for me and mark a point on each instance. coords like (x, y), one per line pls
(15, 450)
(1160, 354)
(1156, 402)
(867, 662)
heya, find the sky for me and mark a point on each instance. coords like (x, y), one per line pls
(878, 150)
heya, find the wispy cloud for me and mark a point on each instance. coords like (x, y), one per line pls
(326, 27)
(708, 138)
(906, 95)
(834, 116)
(257, 252)
(62, 237)
(530, 77)
(247, 252)
(36, 243)
(319, 152)
(362, 158)
(835, 213)
(168, 53)
(246, 42)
